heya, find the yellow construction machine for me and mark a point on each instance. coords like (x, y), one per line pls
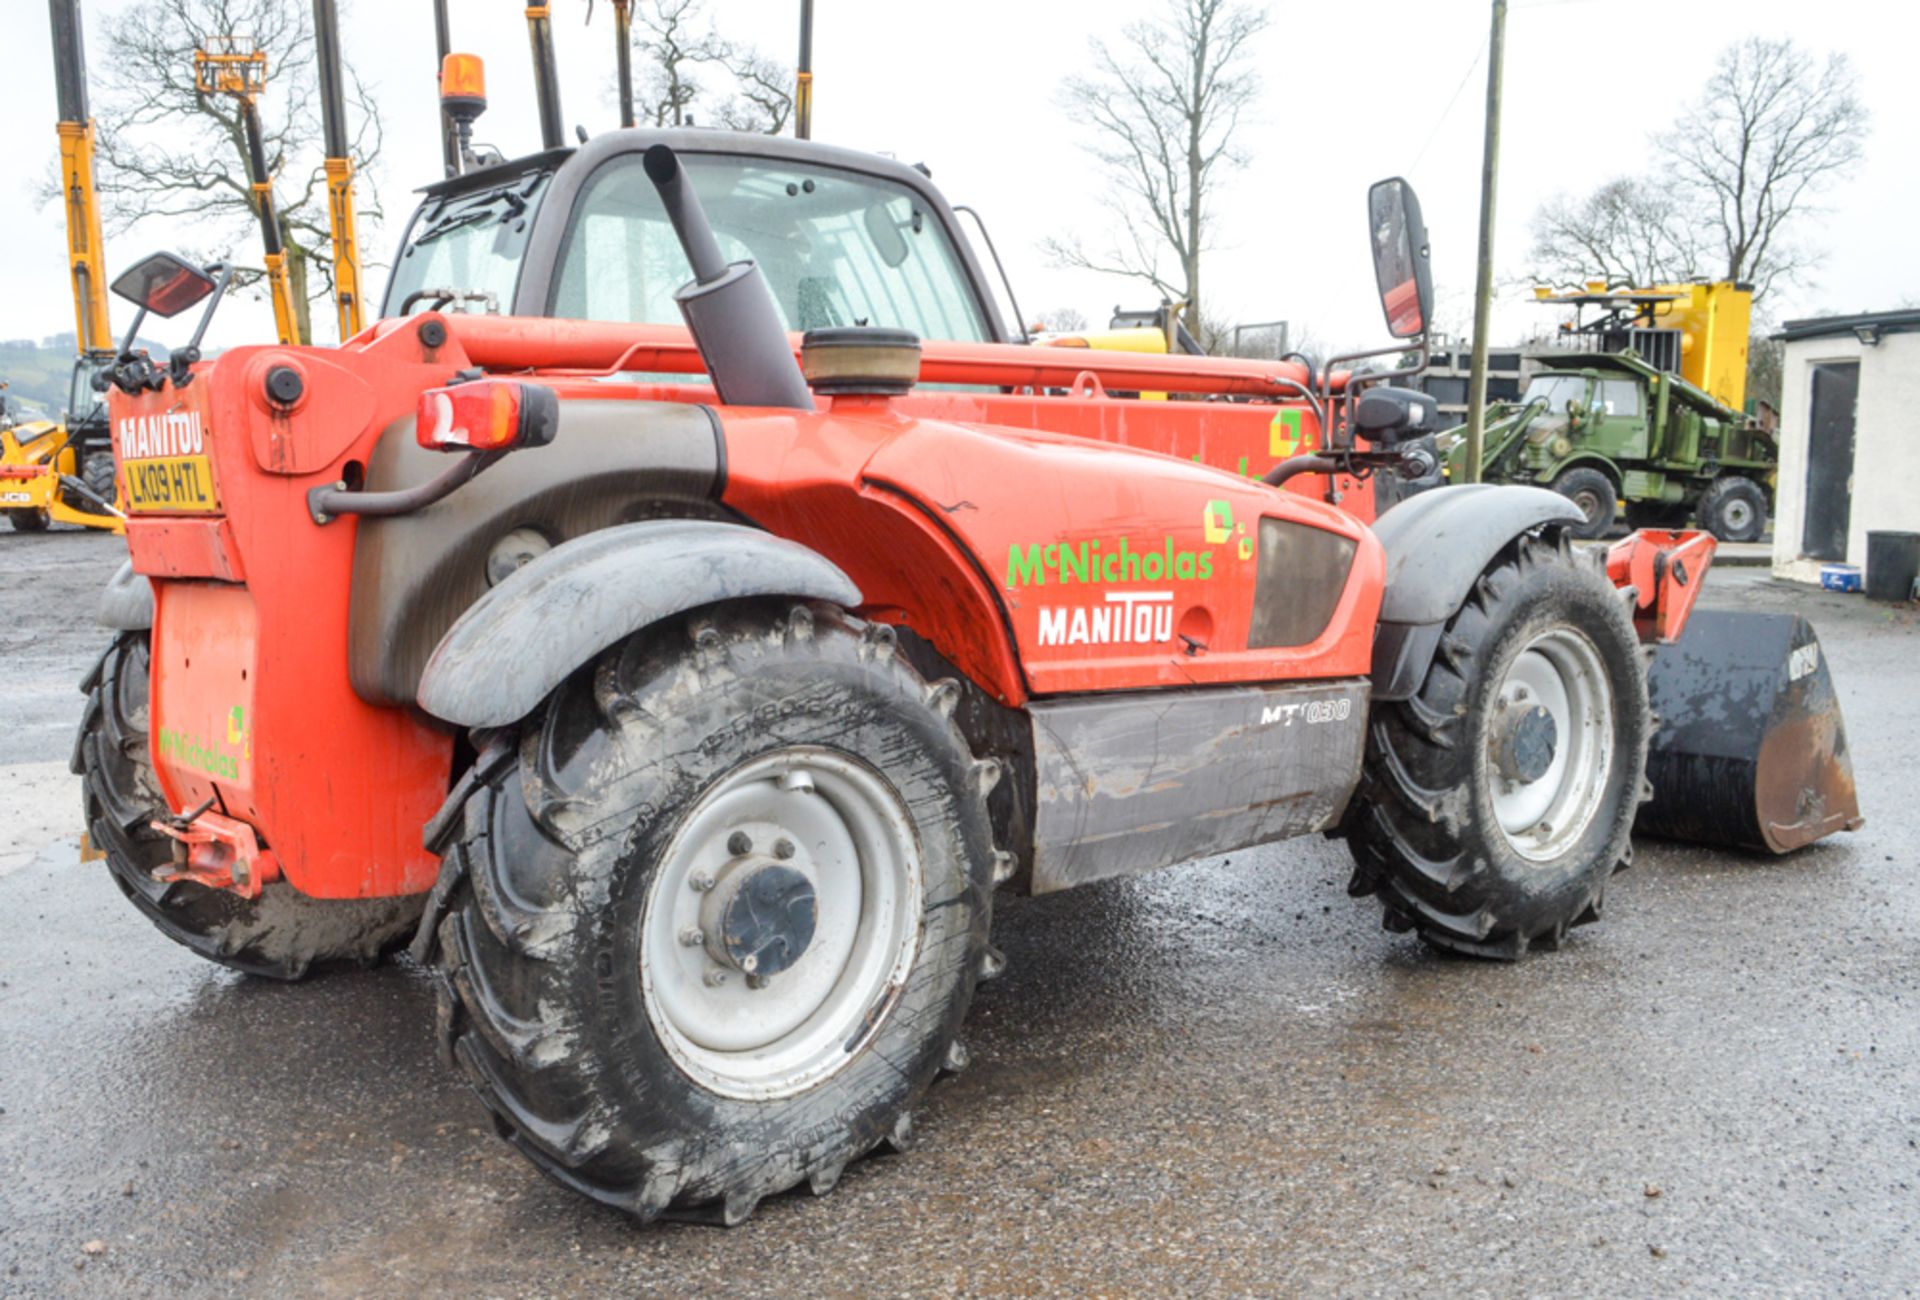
(63, 472)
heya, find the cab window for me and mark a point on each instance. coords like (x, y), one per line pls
(1620, 398)
(836, 248)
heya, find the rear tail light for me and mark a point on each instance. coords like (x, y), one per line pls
(487, 415)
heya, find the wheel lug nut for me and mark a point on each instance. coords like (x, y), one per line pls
(783, 848)
(692, 937)
(756, 981)
(739, 844)
(700, 882)
(714, 978)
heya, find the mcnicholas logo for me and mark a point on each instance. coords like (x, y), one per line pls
(185, 750)
(176, 433)
(1098, 562)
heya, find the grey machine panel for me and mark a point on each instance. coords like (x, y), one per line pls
(578, 599)
(611, 462)
(1128, 782)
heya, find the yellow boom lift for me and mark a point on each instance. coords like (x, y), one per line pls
(231, 68)
(333, 122)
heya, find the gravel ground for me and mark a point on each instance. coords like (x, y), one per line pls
(1220, 1079)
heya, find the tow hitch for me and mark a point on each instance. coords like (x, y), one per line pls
(216, 851)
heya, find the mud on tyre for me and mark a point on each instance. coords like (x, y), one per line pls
(716, 915)
(282, 934)
(1495, 803)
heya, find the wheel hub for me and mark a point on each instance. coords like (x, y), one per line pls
(1524, 738)
(781, 922)
(1549, 743)
(760, 916)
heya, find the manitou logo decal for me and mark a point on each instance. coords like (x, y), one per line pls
(1310, 711)
(1127, 618)
(177, 433)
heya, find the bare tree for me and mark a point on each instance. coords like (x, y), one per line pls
(165, 150)
(1629, 231)
(686, 64)
(1164, 109)
(1770, 130)
(1734, 178)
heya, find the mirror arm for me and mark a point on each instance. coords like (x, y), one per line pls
(1019, 322)
(1417, 344)
(179, 361)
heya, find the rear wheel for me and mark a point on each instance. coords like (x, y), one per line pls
(1496, 802)
(281, 934)
(1593, 492)
(1734, 509)
(97, 474)
(724, 909)
(27, 521)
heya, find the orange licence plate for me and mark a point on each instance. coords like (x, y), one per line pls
(171, 484)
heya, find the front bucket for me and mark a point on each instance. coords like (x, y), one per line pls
(1750, 751)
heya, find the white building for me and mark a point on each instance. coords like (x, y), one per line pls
(1849, 439)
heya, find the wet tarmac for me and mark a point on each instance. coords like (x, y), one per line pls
(1221, 1079)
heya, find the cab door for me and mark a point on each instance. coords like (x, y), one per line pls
(1621, 405)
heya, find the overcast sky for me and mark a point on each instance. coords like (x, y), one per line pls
(1353, 92)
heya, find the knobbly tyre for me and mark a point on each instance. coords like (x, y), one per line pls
(686, 706)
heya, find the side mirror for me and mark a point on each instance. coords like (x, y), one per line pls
(1400, 262)
(163, 284)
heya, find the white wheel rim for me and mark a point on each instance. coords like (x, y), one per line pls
(852, 838)
(1560, 671)
(1738, 514)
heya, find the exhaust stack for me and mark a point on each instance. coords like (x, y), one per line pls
(728, 306)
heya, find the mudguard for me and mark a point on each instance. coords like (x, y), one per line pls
(1437, 543)
(520, 640)
(127, 603)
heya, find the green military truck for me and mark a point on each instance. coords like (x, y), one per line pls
(1602, 427)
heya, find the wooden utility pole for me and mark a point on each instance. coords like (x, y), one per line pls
(1483, 282)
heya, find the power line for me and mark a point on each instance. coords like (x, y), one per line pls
(1441, 121)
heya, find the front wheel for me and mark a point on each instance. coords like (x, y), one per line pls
(1734, 509)
(1496, 802)
(26, 521)
(1593, 492)
(723, 912)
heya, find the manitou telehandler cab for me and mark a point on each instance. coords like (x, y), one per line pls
(686, 691)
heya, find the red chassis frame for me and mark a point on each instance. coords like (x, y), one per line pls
(943, 506)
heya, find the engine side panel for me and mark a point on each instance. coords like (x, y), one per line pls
(1047, 564)
(1127, 783)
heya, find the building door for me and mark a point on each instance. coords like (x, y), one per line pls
(1836, 388)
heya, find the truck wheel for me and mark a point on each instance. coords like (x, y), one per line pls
(27, 521)
(281, 934)
(1734, 509)
(724, 911)
(1495, 804)
(1594, 493)
(97, 474)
